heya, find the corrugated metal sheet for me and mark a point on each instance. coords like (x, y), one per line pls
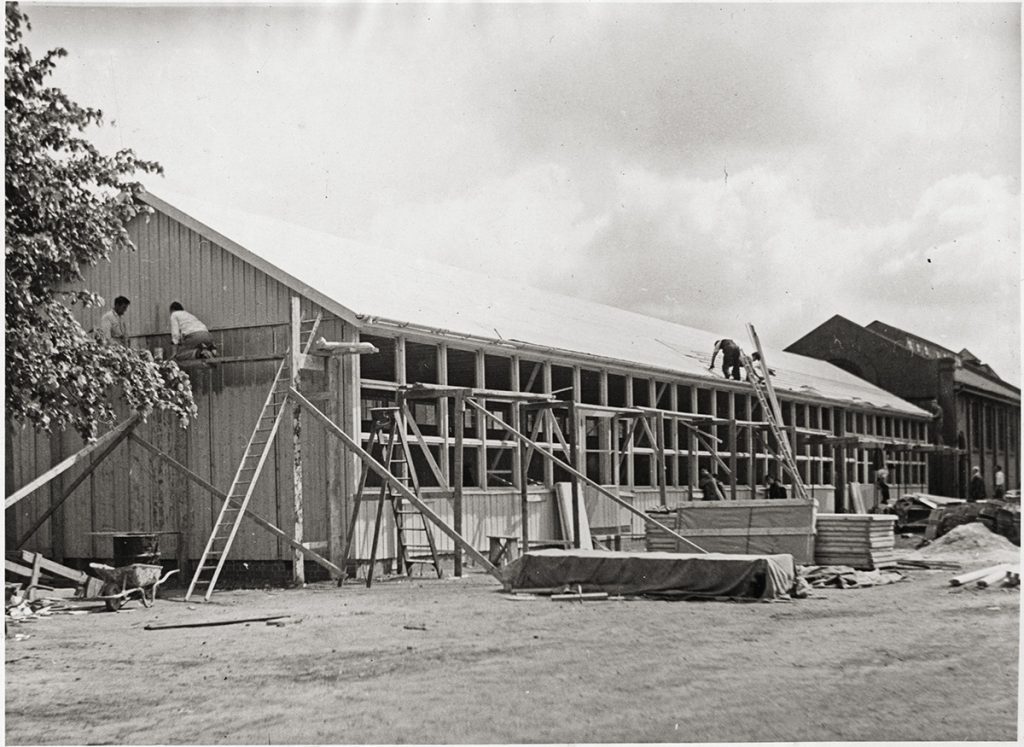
(418, 292)
(174, 263)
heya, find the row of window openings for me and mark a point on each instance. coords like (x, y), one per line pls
(1000, 429)
(421, 366)
(427, 414)
(679, 468)
(675, 434)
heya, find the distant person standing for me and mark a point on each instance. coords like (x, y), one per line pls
(776, 490)
(882, 483)
(1000, 483)
(112, 324)
(936, 425)
(976, 489)
(730, 358)
(190, 337)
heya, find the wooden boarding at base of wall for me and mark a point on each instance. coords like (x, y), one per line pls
(759, 527)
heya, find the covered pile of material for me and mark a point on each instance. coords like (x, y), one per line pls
(845, 577)
(685, 576)
(969, 543)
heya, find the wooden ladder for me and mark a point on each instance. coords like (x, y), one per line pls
(414, 537)
(260, 443)
(759, 378)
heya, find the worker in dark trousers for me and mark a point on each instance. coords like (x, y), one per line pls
(713, 489)
(976, 491)
(730, 358)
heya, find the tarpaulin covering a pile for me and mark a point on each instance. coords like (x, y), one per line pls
(709, 575)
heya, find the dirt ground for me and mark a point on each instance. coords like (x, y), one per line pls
(458, 661)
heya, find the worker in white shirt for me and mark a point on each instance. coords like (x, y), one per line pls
(112, 324)
(1000, 483)
(189, 336)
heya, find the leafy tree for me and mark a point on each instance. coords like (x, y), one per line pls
(67, 206)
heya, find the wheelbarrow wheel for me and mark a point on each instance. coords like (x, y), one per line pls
(115, 604)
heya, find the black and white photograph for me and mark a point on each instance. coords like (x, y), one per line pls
(512, 373)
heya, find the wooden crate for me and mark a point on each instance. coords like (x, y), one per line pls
(754, 527)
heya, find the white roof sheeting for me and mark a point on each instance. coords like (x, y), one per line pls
(371, 282)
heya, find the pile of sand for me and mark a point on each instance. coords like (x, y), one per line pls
(969, 543)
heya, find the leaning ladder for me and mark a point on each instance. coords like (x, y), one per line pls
(760, 380)
(414, 537)
(242, 487)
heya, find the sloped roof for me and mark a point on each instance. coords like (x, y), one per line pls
(986, 384)
(365, 283)
(901, 337)
(971, 370)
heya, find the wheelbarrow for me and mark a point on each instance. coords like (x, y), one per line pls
(122, 584)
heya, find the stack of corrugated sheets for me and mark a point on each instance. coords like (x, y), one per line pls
(863, 541)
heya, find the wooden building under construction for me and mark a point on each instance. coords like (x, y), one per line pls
(441, 327)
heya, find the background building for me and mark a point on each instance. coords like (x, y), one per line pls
(975, 410)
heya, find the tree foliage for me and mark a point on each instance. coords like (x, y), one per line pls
(67, 206)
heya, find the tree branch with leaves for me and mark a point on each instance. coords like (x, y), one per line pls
(67, 206)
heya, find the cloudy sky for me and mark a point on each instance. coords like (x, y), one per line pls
(708, 164)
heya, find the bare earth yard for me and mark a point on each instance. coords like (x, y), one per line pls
(917, 660)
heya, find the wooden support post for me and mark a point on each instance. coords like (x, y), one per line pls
(459, 419)
(673, 443)
(659, 452)
(298, 563)
(350, 402)
(443, 414)
(733, 457)
(714, 441)
(791, 431)
(572, 423)
(481, 427)
(748, 414)
(523, 463)
(604, 433)
(615, 452)
(546, 418)
(335, 474)
(517, 452)
(627, 447)
(691, 444)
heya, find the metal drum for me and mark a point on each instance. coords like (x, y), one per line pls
(136, 547)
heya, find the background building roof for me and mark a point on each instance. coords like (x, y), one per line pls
(375, 285)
